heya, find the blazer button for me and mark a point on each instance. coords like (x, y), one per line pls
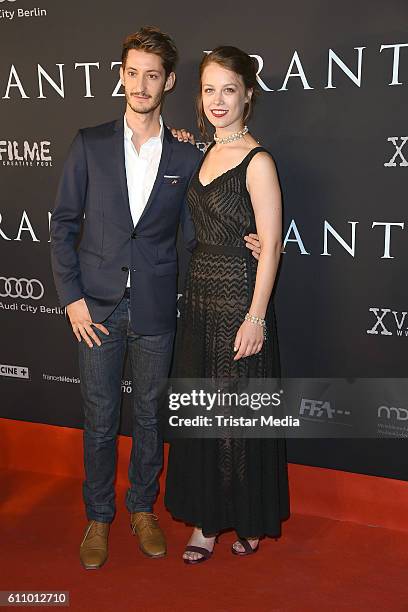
(134, 235)
(125, 269)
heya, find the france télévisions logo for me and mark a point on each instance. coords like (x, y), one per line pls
(25, 153)
(14, 371)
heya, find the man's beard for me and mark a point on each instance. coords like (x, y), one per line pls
(149, 106)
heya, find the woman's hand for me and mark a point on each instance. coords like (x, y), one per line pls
(249, 340)
(183, 135)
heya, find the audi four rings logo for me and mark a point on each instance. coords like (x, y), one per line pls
(21, 287)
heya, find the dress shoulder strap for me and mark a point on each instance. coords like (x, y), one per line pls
(251, 154)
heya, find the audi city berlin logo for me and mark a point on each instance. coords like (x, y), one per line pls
(23, 288)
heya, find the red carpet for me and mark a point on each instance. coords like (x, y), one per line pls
(319, 563)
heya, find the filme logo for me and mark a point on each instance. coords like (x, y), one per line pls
(11, 12)
(33, 154)
(389, 322)
(14, 371)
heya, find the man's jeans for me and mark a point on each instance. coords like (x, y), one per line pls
(101, 370)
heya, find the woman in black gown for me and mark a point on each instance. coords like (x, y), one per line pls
(230, 483)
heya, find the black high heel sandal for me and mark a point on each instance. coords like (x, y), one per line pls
(206, 554)
(248, 550)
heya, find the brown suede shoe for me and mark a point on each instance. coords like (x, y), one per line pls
(94, 548)
(151, 538)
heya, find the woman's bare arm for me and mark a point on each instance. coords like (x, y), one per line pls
(264, 189)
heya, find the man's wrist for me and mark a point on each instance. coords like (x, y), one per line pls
(74, 301)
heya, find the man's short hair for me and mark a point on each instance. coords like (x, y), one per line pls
(152, 40)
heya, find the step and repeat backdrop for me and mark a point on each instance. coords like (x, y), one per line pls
(334, 81)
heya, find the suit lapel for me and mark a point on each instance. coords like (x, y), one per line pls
(164, 161)
(119, 157)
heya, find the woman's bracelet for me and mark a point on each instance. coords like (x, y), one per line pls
(257, 321)
(254, 319)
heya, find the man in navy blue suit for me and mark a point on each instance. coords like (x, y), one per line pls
(120, 201)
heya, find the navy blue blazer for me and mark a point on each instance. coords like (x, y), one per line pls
(94, 243)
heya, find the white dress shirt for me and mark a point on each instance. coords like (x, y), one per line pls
(141, 170)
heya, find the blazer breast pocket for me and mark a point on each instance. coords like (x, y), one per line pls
(170, 180)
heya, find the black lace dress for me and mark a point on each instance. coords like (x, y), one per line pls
(236, 483)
